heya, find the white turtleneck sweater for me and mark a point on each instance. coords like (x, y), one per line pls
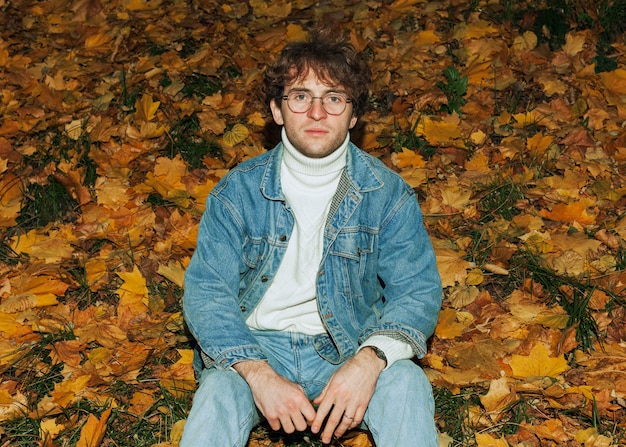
(290, 303)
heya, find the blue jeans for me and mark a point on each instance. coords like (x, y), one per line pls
(400, 413)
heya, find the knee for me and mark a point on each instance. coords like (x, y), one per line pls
(405, 378)
(219, 384)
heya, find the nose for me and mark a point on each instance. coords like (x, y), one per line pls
(317, 111)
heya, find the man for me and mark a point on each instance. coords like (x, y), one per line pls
(314, 283)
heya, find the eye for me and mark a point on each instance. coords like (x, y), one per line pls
(334, 98)
(299, 97)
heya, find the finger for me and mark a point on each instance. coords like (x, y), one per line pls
(320, 416)
(299, 422)
(347, 422)
(287, 425)
(274, 423)
(332, 424)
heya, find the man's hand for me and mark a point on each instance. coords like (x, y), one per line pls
(347, 395)
(282, 402)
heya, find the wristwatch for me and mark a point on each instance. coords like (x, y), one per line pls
(379, 353)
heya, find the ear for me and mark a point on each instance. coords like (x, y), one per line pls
(277, 113)
(353, 121)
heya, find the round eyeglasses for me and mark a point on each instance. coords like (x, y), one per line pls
(301, 102)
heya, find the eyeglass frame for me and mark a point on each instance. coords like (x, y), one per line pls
(347, 99)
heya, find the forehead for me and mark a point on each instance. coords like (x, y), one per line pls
(311, 80)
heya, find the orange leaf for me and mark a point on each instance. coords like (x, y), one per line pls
(448, 327)
(92, 433)
(572, 212)
(10, 199)
(407, 158)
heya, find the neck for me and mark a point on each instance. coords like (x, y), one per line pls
(300, 163)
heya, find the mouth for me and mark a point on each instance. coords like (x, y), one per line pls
(316, 131)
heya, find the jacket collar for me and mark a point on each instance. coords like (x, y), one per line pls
(359, 169)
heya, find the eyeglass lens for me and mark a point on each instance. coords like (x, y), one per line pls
(300, 102)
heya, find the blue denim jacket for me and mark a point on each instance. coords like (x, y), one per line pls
(377, 275)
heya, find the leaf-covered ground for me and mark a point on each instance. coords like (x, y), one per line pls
(118, 117)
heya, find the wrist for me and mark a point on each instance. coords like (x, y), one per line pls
(377, 355)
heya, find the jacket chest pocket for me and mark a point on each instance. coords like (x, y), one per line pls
(354, 262)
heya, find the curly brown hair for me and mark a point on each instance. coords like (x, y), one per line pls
(333, 60)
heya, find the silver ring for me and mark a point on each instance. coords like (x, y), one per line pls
(348, 417)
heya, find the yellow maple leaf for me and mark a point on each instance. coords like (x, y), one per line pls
(134, 282)
(452, 267)
(538, 364)
(524, 119)
(525, 42)
(486, 440)
(539, 143)
(145, 108)
(574, 43)
(66, 392)
(440, 133)
(456, 198)
(295, 33)
(275, 9)
(615, 81)
(236, 135)
(50, 429)
(479, 163)
(425, 38)
(141, 5)
(174, 272)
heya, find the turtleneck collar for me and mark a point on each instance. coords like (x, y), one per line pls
(297, 162)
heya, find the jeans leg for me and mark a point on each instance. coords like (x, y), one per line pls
(402, 410)
(223, 411)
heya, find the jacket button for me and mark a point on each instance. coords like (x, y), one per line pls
(264, 278)
(283, 238)
(321, 272)
(243, 308)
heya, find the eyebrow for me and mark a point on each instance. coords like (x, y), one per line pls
(325, 92)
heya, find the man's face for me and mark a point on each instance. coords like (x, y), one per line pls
(314, 133)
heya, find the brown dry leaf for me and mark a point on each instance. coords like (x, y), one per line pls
(146, 108)
(500, 395)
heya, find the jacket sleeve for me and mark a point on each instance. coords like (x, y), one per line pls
(411, 283)
(210, 302)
